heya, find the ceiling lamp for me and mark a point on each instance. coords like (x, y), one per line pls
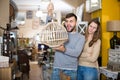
(50, 8)
(39, 12)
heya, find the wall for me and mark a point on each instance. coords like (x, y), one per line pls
(32, 26)
(29, 31)
(110, 11)
(4, 13)
(86, 16)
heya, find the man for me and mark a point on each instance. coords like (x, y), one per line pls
(66, 55)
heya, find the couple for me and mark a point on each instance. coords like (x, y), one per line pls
(85, 48)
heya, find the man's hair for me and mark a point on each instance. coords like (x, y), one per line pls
(71, 15)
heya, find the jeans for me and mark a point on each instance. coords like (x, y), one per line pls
(87, 73)
(56, 74)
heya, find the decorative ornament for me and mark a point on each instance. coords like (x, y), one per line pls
(53, 34)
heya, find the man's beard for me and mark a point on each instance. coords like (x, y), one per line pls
(71, 29)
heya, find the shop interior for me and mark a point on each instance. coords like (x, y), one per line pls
(23, 52)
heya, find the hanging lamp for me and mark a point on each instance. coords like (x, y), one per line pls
(50, 8)
(39, 12)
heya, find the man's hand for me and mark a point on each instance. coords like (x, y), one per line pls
(60, 48)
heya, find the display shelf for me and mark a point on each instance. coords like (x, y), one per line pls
(108, 73)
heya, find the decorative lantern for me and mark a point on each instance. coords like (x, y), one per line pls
(53, 34)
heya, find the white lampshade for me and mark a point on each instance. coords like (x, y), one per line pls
(39, 13)
(113, 25)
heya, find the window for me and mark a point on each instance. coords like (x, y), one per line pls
(93, 5)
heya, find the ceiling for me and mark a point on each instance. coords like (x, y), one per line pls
(64, 6)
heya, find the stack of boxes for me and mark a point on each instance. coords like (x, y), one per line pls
(4, 61)
(114, 60)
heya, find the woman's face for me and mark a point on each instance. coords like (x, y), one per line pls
(92, 28)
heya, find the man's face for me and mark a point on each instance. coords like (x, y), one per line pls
(70, 24)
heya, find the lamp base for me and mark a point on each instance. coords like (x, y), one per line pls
(114, 41)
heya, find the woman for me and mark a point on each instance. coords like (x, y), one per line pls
(88, 64)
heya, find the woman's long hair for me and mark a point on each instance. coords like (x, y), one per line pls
(97, 33)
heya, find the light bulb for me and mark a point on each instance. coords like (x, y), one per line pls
(39, 13)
